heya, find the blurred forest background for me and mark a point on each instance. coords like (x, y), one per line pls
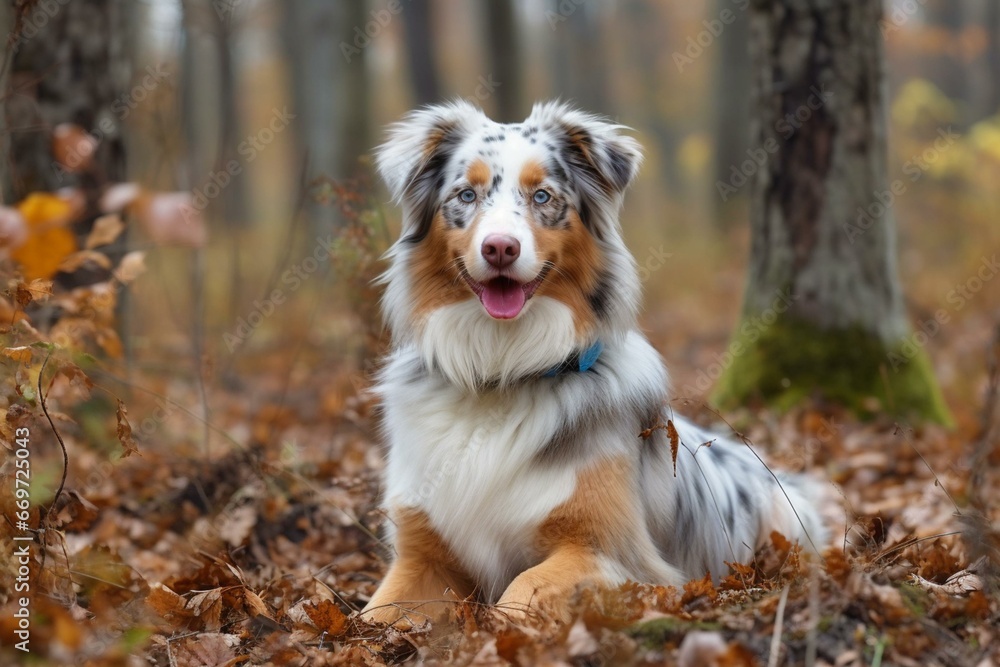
(266, 114)
(189, 216)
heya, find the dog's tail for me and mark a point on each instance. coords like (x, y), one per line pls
(797, 500)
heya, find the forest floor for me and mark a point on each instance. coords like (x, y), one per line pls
(253, 537)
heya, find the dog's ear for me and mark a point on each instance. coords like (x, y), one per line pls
(413, 159)
(601, 161)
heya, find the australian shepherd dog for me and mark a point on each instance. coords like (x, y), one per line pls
(519, 386)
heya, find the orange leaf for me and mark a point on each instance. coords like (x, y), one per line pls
(326, 616)
(697, 588)
(19, 354)
(73, 147)
(109, 342)
(780, 542)
(675, 441)
(49, 242)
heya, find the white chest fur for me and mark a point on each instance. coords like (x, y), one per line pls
(467, 462)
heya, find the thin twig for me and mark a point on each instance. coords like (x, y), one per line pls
(812, 635)
(55, 431)
(916, 540)
(746, 441)
(937, 481)
(779, 621)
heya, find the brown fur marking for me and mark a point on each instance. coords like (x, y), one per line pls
(532, 175)
(478, 174)
(434, 272)
(597, 519)
(578, 264)
(424, 576)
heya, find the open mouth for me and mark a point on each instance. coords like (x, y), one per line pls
(503, 297)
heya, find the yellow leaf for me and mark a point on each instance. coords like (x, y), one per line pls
(49, 242)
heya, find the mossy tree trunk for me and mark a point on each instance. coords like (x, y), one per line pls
(823, 310)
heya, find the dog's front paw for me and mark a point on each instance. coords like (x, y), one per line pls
(396, 615)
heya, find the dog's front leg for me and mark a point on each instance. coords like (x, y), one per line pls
(546, 588)
(423, 581)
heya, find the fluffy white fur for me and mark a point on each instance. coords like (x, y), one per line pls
(470, 350)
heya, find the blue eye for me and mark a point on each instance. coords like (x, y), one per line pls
(467, 195)
(542, 197)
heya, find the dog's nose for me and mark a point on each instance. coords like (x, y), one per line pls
(500, 250)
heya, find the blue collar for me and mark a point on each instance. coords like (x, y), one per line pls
(578, 362)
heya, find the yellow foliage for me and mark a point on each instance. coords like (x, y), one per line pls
(920, 103)
(694, 154)
(49, 242)
(985, 138)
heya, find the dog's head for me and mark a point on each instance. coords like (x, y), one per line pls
(511, 248)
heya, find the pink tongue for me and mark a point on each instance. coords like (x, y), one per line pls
(502, 298)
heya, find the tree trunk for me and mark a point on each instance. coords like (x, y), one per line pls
(418, 25)
(330, 92)
(646, 32)
(502, 38)
(69, 65)
(945, 68)
(731, 100)
(823, 310)
(575, 53)
(983, 73)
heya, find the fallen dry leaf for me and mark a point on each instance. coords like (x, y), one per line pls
(327, 617)
(125, 431)
(132, 266)
(106, 229)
